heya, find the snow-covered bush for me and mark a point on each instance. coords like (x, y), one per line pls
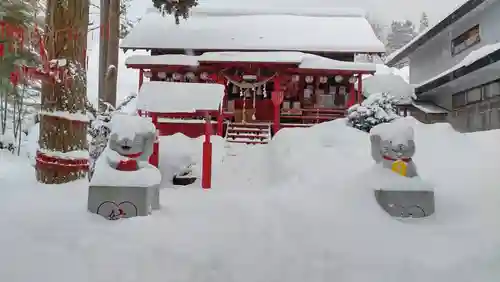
(376, 109)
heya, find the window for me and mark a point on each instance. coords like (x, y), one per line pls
(474, 95)
(465, 40)
(459, 100)
(492, 90)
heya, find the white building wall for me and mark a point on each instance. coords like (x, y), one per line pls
(435, 57)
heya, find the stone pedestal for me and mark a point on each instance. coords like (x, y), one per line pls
(122, 194)
(132, 201)
(413, 204)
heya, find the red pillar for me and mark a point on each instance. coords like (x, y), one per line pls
(206, 174)
(220, 123)
(155, 157)
(352, 95)
(360, 89)
(277, 98)
(222, 80)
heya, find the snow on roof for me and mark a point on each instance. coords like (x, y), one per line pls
(429, 108)
(179, 97)
(249, 11)
(272, 57)
(318, 62)
(304, 60)
(172, 60)
(468, 60)
(392, 84)
(276, 29)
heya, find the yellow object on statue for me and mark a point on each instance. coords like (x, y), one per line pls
(399, 167)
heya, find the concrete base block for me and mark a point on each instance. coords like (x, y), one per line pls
(405, 204)
(115, 202)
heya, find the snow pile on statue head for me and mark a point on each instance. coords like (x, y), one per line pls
(130, 143)
(393, 148)
(376, 109)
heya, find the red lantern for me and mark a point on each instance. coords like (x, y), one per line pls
(14, 78)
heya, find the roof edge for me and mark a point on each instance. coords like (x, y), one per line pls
(458, 73)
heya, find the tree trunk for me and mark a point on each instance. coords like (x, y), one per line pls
(63, 127)
(113, 50)
(103, 50)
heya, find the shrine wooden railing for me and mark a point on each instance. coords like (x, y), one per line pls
(311, 115)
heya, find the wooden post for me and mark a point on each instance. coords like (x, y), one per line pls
(360, 89)
(352, 95)
(103, 50)
(222, 80)
(206, 175)
(155, 157)
(141, 79)
(277, 98)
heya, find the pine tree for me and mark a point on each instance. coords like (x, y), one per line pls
(424, 22)
(401, 33)
(63, 128)
(17, 21)
(179, 8)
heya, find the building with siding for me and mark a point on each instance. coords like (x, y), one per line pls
(455, 68)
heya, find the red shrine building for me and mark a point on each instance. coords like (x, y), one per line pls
(279, 68)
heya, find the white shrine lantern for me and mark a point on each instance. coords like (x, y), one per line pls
(148, 74)
(190, 75)
(204, 76)
(352, 79)
(177, 76)
(162, 75)
(309, 79)
(339, 78)
(323, 79)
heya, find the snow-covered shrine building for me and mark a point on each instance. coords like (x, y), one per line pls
(454, 66)
(280, 68)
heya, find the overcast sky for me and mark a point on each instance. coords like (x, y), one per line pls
(384, 10)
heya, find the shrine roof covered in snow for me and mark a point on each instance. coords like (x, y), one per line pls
(258, 29)
(301, 60)
(178, 97)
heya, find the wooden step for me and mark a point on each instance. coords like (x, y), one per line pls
(250, 130)
(296, 125)
(249, 125)
(247, 142)
(248, 136)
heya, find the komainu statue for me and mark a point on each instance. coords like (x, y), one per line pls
(402, 192)
(124, 184)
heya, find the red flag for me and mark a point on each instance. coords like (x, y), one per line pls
(2, 50)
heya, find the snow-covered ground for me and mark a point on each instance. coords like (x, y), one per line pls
(298, 209)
